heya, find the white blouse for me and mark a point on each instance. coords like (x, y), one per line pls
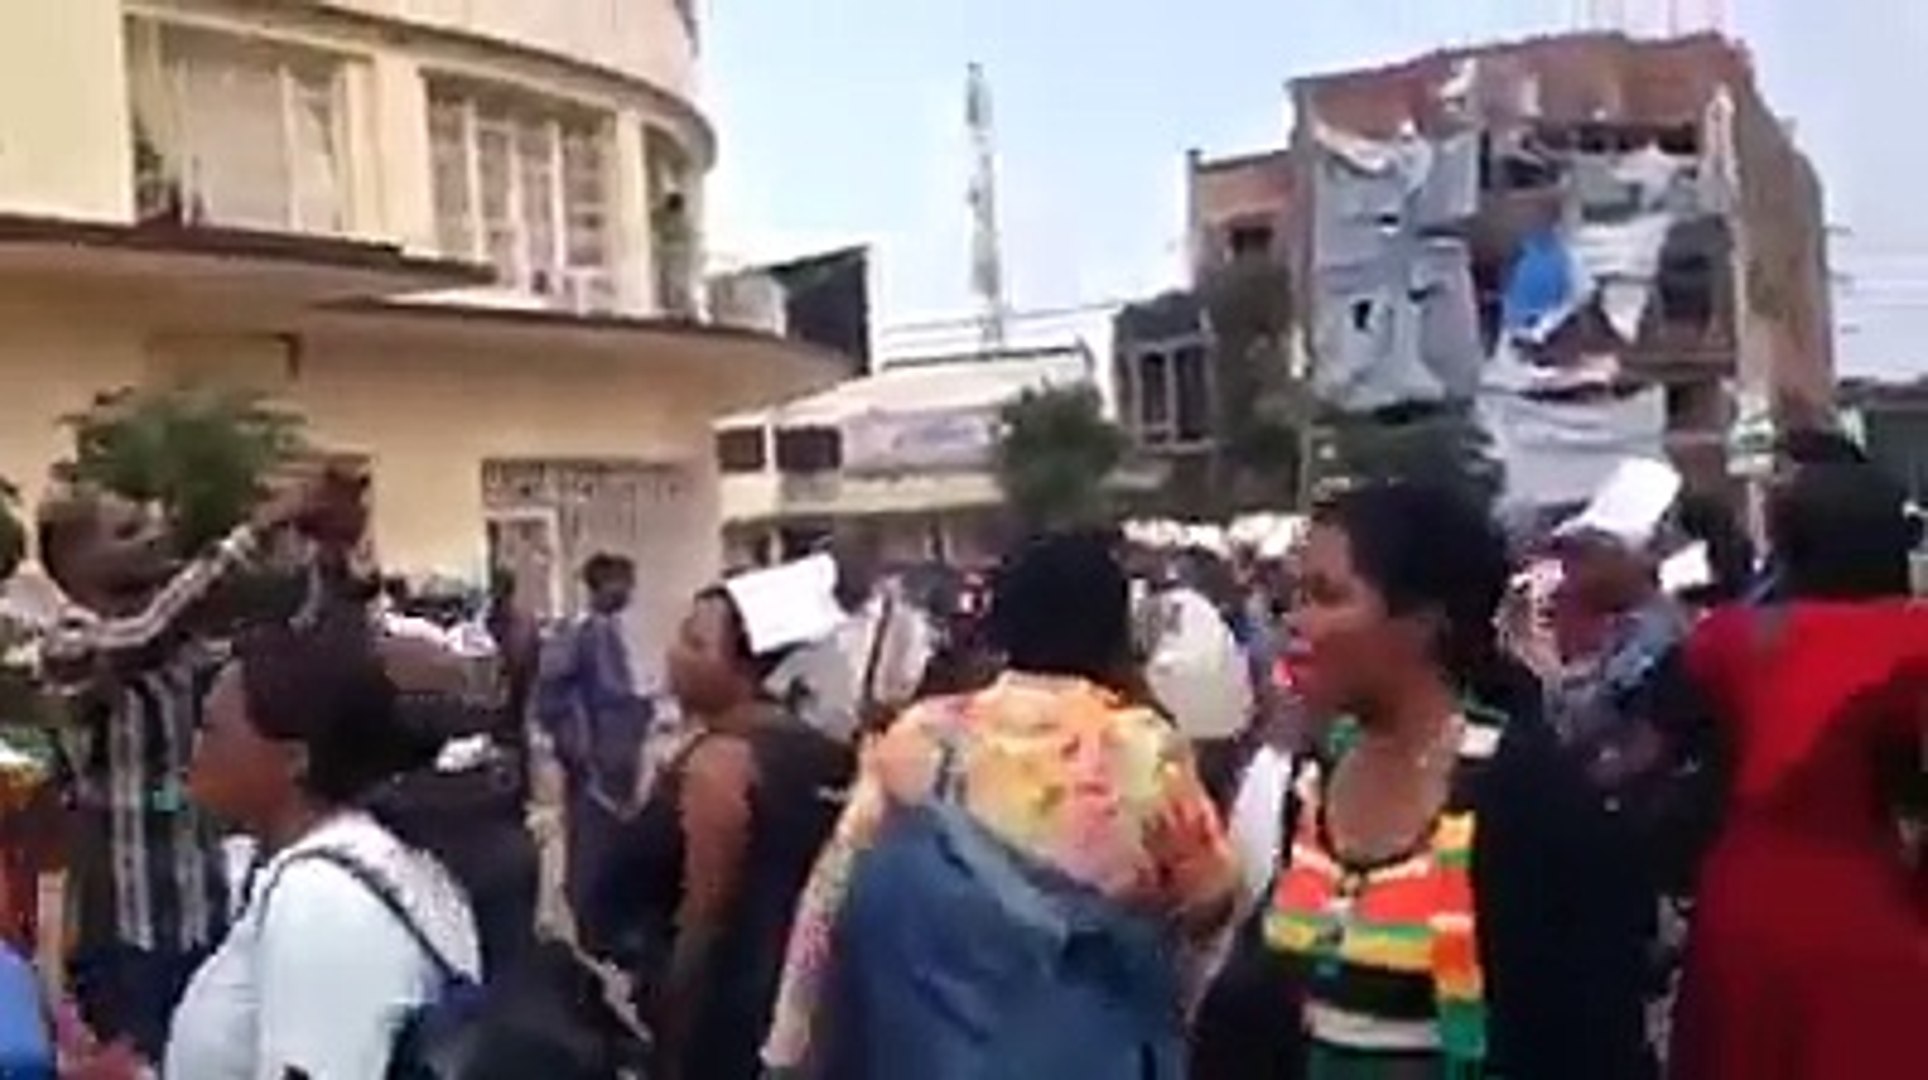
(316, 979)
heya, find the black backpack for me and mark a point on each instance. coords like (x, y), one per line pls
(549, 1015)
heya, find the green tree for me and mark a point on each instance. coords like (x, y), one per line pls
(1056, 456)
(1447, 446)
(205, 455)
(1262, 407)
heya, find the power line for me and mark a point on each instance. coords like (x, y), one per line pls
(960, 322)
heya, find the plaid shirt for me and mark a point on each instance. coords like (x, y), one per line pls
(147, 863)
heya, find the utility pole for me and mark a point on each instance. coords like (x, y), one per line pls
(987, 255)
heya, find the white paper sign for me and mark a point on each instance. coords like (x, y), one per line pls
(1630, 506)
(787, 605)
(1689, 568)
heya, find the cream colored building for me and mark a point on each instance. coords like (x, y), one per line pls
(905, 453)
(246, 191)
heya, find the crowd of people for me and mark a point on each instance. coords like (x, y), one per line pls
(1426, 798)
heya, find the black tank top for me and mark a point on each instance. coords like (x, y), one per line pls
(801, 779)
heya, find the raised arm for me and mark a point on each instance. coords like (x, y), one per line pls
(76, 649)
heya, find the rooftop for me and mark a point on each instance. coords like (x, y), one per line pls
(937, 384)
(1572, 78)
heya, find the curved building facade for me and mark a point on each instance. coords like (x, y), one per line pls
(462, 237)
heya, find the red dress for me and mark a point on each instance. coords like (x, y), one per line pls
(1808, 958)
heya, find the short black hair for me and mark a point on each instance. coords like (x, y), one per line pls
(66, 516)
(759, 667)
(604, 566)
(1428, 547)
(1710, 520)
(1061, 605)
(326, 689)
(1842, 531)
(1821, 446)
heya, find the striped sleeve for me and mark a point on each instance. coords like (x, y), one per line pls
(81, 641)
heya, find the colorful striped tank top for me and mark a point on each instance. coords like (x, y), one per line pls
(1388, 952)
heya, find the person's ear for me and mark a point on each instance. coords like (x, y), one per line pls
(298, 762)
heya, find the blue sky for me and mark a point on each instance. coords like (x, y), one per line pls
(842, 120)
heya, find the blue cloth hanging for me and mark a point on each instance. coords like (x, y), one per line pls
(1540, 282)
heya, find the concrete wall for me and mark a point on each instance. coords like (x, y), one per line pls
(643, 39)
(1226, 192)
(65, 148)
(425, 418)
(65, 119)
(53, 360)
(426, 408)
(1785, 318)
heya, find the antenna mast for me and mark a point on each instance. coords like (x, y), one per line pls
(987, 256)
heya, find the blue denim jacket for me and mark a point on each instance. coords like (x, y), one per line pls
(961, 959)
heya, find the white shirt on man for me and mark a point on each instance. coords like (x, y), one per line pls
(317, 975)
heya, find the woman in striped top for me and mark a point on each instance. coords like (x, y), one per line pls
(1438, 908)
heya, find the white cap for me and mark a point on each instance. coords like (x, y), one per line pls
(1629, 507)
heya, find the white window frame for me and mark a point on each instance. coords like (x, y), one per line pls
(166, 69)
(580, 287)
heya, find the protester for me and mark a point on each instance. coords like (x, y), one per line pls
(1201, 676)
(318, 973)
(1611, 556)
(598, 719)
(1709, 521)
(705, 880)
(858, 678)
(924, 944)
(1807, 955)
(965, 658)
(1798, 450)
(467, 808)
(1440, 902)
(518, 643)
(144, 866)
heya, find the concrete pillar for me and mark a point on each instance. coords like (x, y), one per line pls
(392, 166)
(635, 264)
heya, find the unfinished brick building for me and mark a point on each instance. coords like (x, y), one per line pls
(1239, 208)
(1599, 244)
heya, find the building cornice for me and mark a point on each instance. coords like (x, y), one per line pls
(470, 51)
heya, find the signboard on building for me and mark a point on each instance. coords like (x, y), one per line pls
(927, 440)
